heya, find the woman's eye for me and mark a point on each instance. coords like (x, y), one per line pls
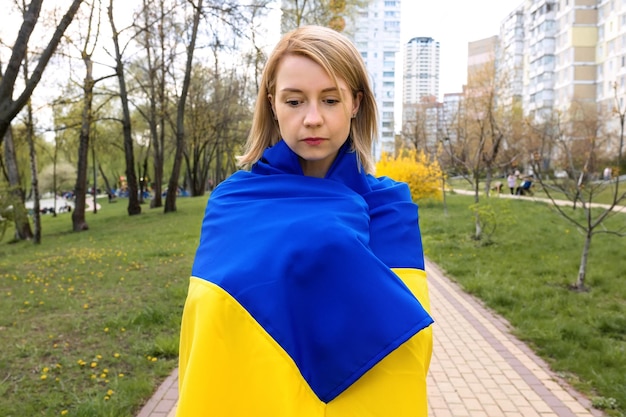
(331, 101)
(292, 102)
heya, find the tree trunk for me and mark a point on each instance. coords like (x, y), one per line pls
(170, 199)
(30, 138)
(33, 172)
(95, 178)
(478, 233)
(582, 269)
(22, 225)
(107, 184)
(80, 189)
(156, 118)
(133, 198)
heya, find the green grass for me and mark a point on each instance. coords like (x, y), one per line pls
(603, 193)
(89, 321)
(524, 273)
(113, 296)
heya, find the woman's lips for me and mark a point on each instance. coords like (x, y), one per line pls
(313, 141)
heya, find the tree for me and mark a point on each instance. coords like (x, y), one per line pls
(30, 138)
(57, 177)
(476, 133)
(329, 13)
(421, 173)
(20, 216)
(170, 198)
(579, 149)
(131, 177)
(79, 222)
(154, 36)
(9, 107)
(421, 127)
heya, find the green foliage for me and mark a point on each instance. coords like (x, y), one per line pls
(525, 275)
(6, 212)
(602, 403)
(90, 321)
(65, 177)
(491, 213)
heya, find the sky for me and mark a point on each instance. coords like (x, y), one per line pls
(453, 23)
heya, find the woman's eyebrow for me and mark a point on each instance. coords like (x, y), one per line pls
(297, 90)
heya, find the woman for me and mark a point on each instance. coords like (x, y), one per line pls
(303, 299)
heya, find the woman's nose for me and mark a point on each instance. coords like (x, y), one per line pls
(313, 117)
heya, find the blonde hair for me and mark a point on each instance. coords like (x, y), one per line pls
(340, 59)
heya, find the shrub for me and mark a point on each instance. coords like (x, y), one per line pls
(422, 174)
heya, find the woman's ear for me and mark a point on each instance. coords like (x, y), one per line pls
(271, 100)
(356, 103)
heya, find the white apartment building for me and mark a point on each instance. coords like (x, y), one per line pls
(420, 88)
(421, 70)
(578, 53)
(510, 67)
(376, 34)
(540, 30)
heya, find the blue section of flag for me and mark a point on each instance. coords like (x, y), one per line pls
(310, 260)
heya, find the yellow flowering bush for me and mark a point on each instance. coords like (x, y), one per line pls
(422, 174)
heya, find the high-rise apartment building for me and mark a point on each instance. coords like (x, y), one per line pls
(420, 88)
(481, 59)
(540, 64)
(580, 44)
(375, 31)
(510, 68)
(421, 70)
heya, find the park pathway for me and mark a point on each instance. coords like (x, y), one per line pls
(479, 369)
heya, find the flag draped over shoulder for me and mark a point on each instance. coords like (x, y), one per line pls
(310, 267)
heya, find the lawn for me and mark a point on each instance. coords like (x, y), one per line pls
(524, 273)
(603, 193)
(89, 321)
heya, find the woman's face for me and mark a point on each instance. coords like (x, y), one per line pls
(313, 115)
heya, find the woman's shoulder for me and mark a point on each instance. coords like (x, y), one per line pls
(389, 188)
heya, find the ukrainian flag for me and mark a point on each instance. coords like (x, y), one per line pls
(303, 299)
